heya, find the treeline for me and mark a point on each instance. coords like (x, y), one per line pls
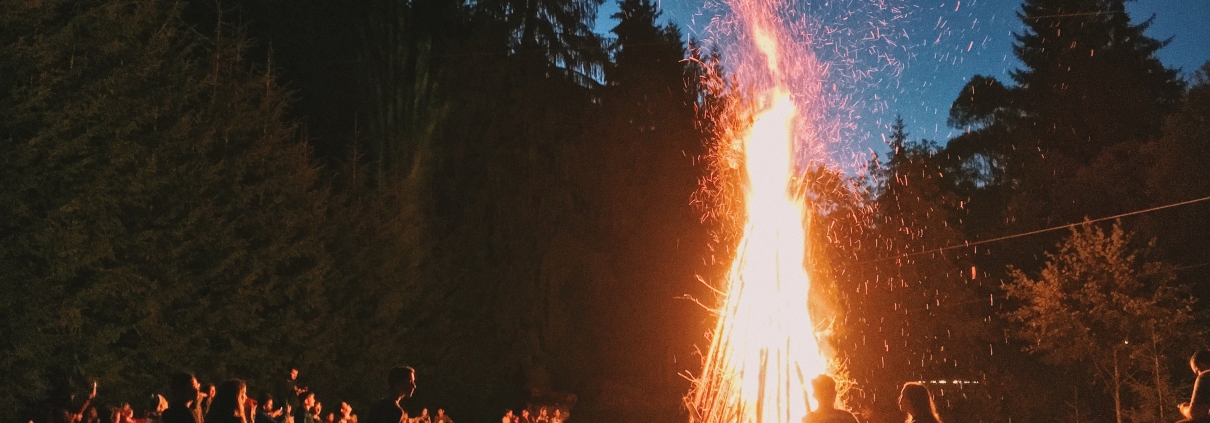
(1094, 322)
(516, 206)
(486, 191)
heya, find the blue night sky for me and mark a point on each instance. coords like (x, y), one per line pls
(948, 42)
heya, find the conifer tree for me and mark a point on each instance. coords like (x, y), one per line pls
(1090, 93)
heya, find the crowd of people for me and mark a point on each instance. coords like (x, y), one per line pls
(544, 415)
(916, 400)
(229, 402)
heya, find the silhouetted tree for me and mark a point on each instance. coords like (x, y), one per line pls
(159, 213)
(1068, 132)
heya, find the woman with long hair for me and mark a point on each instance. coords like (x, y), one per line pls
(915, 400)
(228, 403)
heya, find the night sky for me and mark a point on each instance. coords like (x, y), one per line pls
(947, 42)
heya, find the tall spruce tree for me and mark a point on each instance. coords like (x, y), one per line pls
(1067, 139)
(1090, 93)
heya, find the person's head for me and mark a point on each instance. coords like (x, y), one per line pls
(524, 413)
(542, 411)
(824, 389)
(556, 412)
(293, 374)
(307, 399)
(508, 413)
(440, 411)
(916, 400)
(91, 413)
(402, 381)
(1200, 361)
(266, 401)
(184, 387)
(424, 412)
(229, 399)
(345, 409)
(157, 404)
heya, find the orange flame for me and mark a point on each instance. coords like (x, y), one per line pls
(764, 352)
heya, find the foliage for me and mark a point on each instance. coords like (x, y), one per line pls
(1058, 135)
(1072, 137)
(158, 213)
(1099, 305)
(521, 209)
(916, 308)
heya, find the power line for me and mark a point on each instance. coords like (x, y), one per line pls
(1039, 231)
(1068, 15)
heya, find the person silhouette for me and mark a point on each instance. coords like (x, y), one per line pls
(184, 407)
(824, 390)
(916, 400)
(402, 382)
(1198, 407)
(228, 403)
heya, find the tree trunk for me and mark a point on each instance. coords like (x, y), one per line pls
(1117, 387)
(1159, 385)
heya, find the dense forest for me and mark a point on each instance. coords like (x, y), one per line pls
(525, 210)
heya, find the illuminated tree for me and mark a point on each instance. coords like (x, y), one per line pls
(1099, 305)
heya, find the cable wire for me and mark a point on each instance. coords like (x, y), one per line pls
(1039, 231)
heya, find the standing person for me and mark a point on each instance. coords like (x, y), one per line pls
(1198, 408)
(402, 383)
(346, 414)
(557, 417)
(266, 412)
(125, 414)
(916, 400)
(542, 416)
(308, 410)
(227, 405)
(525, 417)
(824, 388)
(183, 406)
(155, 410)
(291, 388)
(250, 407)
(63, 404)
(442, 417)
(207, 398)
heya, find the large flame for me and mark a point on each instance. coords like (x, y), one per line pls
(764, 352)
